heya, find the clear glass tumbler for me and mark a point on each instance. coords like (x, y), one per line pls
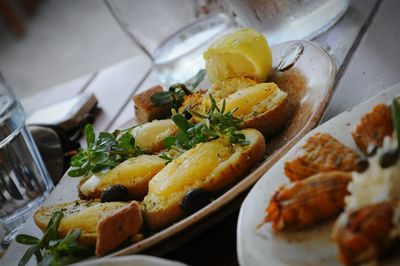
(24, 181)
(170, 33)
(285, 20)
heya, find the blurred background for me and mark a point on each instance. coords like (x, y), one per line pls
(57, 41)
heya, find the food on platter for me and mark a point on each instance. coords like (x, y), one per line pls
(304, 203)
(150, 136)
(146, 110)
(174, 166)
(104, 226)
(366, 234)
(372, 128)
(379, 179)
(212, 166)
(321, 153)
(223, 89)
(368, 227)
(134, 174)
(264, 107)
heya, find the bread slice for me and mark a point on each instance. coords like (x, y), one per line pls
(145, 110)
(104, 226)
(213, 166)
(134, 173)
(321, 153)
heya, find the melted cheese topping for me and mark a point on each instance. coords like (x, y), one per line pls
(194, 165)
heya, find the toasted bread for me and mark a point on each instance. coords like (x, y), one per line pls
(321, 153)
(134, 173)
(372, 128)
(213, 166)
(145, 110)
(104, 226)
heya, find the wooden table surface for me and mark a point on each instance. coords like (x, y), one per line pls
(365, 44)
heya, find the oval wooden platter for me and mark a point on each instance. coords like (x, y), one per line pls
(307, 73)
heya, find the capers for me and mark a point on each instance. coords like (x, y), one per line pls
(362, 165)
(389, 158)
(195, 200)
(115, 193)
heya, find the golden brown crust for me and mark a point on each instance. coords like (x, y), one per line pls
(115, 227)
(145, 111)
(272, 121)
(307, 202)
(157, 216)
(321, 153)
(372, 128)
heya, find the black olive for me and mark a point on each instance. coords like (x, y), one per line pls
(362, 165)
(195, 200)
(115, 193)
(389, 158)
(187, 114)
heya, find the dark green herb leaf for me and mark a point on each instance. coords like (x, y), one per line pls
(28, 255)
(89, 133)
(26, 239)
(396, 119)
(105, 152)
(169, 141)
(161, 98)
(215, 124)
(201, 74)
(181, 122)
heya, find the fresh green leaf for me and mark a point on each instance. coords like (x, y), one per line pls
(396, 119)
(26, 239)
(90, 136)
(161, 98)
(201, 74)
(104, 152)
(169, 141)
(28, 255)
(181, 122)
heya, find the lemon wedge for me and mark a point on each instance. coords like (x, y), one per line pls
(243, 53)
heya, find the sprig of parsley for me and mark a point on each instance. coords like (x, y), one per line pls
(215, 124)
(176, 92)
(105, 152)
(52, 249)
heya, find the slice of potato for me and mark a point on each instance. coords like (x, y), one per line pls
(133, 173)
(263, 107)
(103, 225)
(150, 136)
(213, 166)
(145, 110)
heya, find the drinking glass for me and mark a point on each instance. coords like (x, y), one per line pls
(171, 33)
(284, 20)
(24, 181)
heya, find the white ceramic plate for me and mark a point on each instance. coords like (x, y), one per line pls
(137, 260)
(259, 245)
(309, 83)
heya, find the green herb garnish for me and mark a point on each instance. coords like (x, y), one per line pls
(52, 249)
(396, 119)
(215, 124)
(176, 93)
(105, 152)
